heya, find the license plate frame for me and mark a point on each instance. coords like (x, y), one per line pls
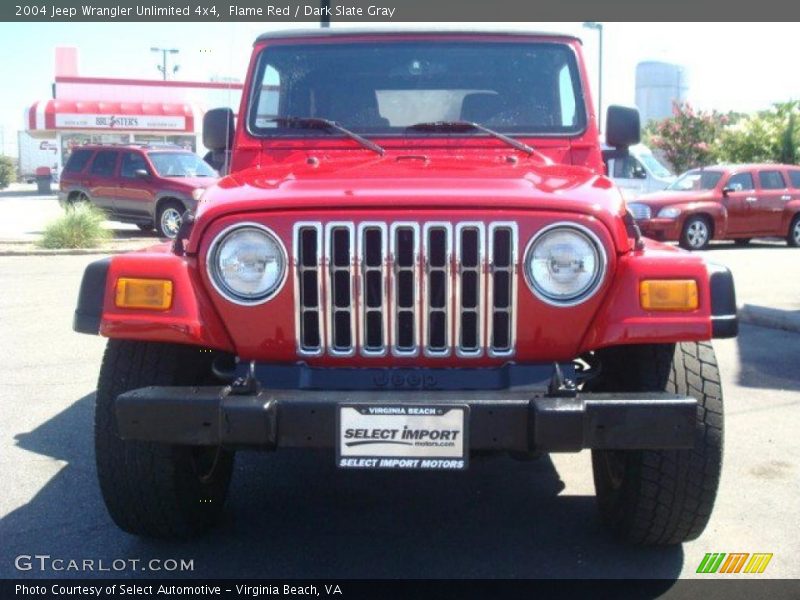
(417, 450)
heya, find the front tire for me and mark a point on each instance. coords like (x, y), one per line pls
(156, 490)
(696, 233)
(662, 497)
(793, 237)
(169, 218)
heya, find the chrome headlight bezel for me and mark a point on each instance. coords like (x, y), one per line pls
(597, 280)
(216, 277)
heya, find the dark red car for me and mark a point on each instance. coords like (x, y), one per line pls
(415, 258)
(149, 186)
(732, 202)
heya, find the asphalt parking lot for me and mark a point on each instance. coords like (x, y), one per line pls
(292, 515)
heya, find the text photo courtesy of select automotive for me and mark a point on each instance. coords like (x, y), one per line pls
(362, 301)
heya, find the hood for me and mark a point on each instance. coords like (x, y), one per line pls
(193, 182)
(668, 198)
(415, 181)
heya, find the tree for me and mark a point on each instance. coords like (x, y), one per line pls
(6, 171)
(767, 136)
(686, 139)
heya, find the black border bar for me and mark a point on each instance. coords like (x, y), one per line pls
(323, 12)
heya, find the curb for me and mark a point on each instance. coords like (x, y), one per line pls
(772, 318)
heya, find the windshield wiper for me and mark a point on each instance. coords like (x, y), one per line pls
(470, 125)
(319, 123)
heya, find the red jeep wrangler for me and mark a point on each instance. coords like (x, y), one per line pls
(416, 257)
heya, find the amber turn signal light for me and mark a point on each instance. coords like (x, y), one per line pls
(154, 294)
(668, 294)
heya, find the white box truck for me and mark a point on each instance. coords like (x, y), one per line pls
(35, 152)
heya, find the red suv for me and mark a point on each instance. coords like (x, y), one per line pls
(732, 202)
(149, 186)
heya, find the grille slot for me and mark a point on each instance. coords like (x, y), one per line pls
(308, 287)
(372, 251)
(437, 255)
(404, 254)
(470, 293)
(340, 260)
(406, 287)
(502, 288)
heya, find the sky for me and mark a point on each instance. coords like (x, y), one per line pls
(732, 66)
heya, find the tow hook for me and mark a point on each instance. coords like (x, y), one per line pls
(247, 385)
(561, 387)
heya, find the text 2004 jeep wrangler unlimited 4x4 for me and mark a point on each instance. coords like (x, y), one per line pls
(416, 255)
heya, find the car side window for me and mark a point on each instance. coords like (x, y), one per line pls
(132, 162)
(741, 182)
(104, 163)
(771, 180)
(77, 161)
(794, 177)
(628, 168)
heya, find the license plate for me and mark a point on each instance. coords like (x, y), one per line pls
(402, 437)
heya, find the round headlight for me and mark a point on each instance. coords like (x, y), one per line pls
(564, 264)
(247, 263)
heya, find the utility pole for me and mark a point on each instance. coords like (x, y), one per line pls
(163, 66)
(599, 28)
(325, 20)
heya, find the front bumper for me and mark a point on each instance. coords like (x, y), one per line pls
(663, 230)
(499, 420)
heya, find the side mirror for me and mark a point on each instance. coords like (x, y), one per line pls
(218, 129)
(726, 191)
(141, 174)
(623, 128)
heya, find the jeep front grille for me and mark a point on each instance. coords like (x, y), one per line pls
(405, 288)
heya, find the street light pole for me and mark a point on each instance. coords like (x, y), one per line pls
(163, 66)
(325, 20)
(599, 27)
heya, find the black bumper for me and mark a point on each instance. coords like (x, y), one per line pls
(498, 419)
(724, 322)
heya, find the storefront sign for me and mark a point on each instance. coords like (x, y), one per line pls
(145, 122)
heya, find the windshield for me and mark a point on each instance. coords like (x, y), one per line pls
(696, 180)
(531, 88)
(652, 165)
(180, 164)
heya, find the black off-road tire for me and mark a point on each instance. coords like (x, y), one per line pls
(156, 490)
(661, 497)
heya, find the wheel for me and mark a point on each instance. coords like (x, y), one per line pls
(78, 198)
(662, 497)
(742, 241)
(793, 237)
(156, 490)
(696, 233)
(169, 218)
(145, 227)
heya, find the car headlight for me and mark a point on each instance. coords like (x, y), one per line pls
(198, 193)
(564, 264)
(247, 263)
(670, 212)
